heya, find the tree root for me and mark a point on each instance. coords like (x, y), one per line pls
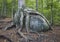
(9, 27)
(4, 37)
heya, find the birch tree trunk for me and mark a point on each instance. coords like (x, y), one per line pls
(21, 3)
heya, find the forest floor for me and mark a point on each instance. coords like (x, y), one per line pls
(49, 36)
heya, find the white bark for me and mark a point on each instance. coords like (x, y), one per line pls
(21, 3)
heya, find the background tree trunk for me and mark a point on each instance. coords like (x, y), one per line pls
(37, 5)
(4, 8)
(13, 10)
(42, 6)
(51, 12)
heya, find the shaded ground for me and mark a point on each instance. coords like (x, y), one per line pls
(50, 36)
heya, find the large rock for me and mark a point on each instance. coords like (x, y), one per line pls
(35, 22)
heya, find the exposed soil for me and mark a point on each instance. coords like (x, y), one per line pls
(49, 36)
